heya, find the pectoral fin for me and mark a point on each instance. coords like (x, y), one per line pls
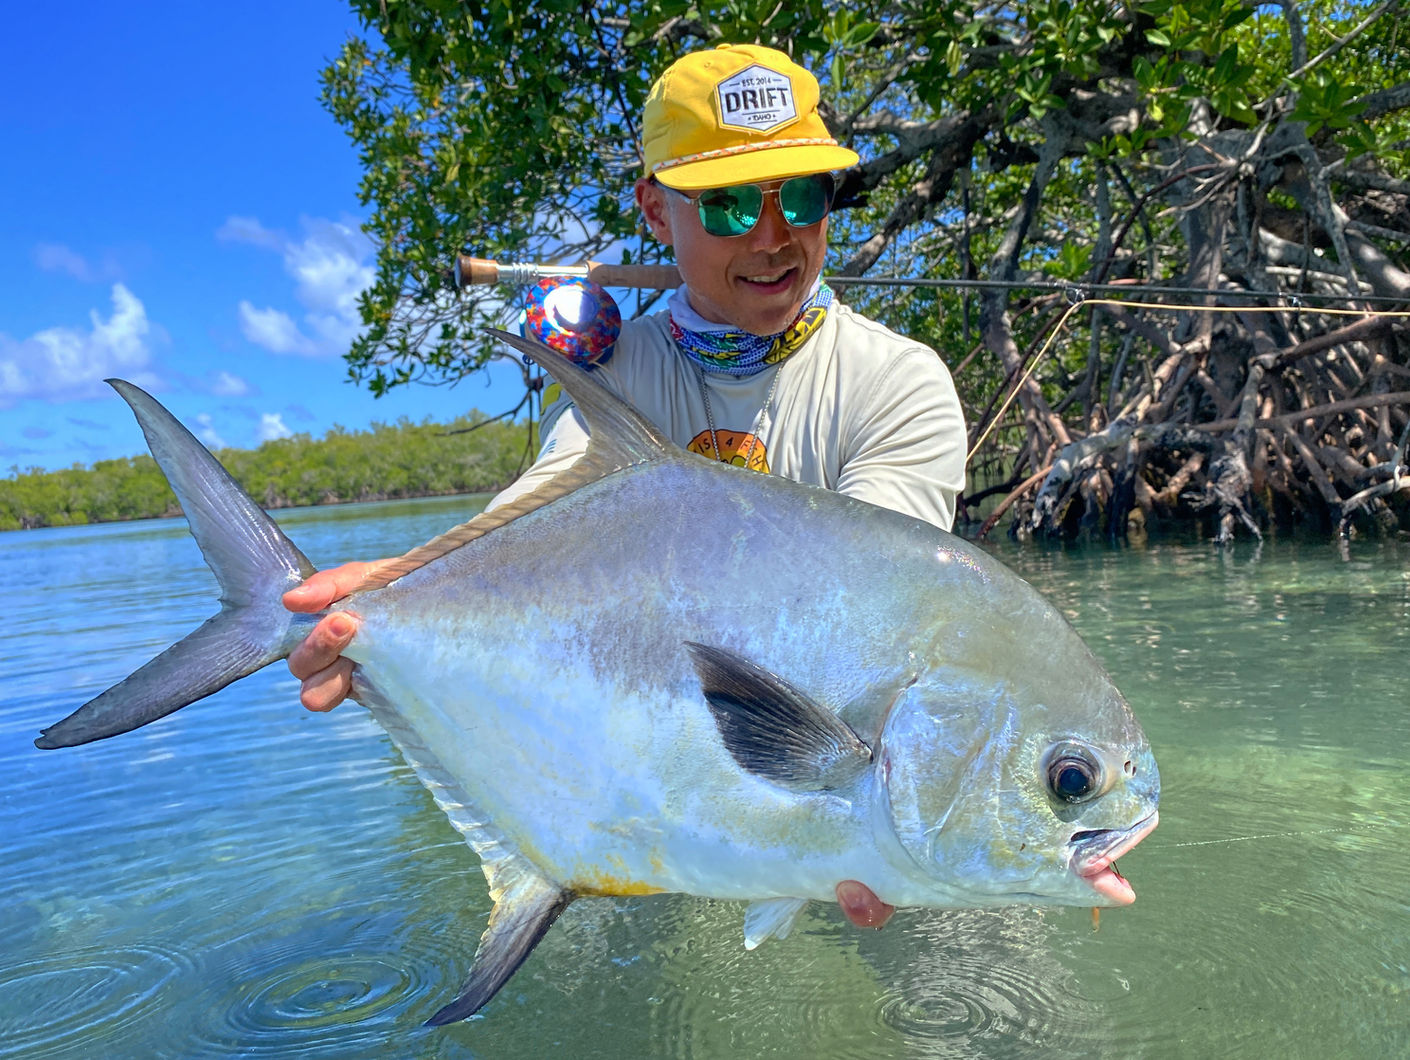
(775, 730)
(771, 918)
(519, 919)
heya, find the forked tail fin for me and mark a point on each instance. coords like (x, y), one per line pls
(254, 563)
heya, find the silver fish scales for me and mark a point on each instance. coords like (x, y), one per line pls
(662, 673)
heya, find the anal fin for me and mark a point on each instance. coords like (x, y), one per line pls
(526, 901)
(520, 918)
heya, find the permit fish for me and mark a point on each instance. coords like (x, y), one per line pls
(661, 673)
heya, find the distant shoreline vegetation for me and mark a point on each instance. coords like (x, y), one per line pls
(386, 462)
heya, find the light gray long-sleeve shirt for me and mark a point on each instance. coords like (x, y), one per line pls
(858, 409)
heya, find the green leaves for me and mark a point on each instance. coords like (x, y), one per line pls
(1073, 260)
(490, 127)
(510, 129)
(1326, 103)
(1196, 56)
(843, 34)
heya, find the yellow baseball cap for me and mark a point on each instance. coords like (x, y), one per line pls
(736, 114)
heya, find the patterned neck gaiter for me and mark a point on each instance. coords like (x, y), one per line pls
(729, 351)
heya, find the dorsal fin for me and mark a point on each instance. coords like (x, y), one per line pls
(619, 437)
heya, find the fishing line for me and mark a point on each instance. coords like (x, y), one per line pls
(1033, 367)
(1267, 835)
(1129, 289)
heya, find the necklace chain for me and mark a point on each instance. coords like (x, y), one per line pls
(759, 421)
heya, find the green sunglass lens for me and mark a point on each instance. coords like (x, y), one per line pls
(804, 200)
(735, 210)
(731, 211)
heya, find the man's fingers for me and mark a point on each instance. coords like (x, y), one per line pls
(317, 662)
(861, 906)
(310, 596)
(327, 688)
(328, 585)
(321, 648)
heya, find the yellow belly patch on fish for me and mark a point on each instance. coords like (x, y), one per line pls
(603, 884)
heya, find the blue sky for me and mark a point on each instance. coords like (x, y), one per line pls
(177, 209)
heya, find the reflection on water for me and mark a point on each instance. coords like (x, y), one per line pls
(247, 879)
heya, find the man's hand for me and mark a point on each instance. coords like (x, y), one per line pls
(318, 662)
(861, 906)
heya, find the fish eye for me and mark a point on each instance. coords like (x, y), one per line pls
(1073, 776)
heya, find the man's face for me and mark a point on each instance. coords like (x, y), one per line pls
(758, 281)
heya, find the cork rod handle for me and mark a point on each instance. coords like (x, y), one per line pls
(470, 271)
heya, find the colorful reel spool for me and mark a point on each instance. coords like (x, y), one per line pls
(574, 316)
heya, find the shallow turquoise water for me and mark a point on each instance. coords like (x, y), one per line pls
(248, 879)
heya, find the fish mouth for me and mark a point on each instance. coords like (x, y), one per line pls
(1095, 853)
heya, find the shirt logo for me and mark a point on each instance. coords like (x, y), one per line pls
(736, 447)
(756, 99)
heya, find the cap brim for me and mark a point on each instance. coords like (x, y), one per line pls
(751, 167)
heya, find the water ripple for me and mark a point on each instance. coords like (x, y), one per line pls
(320, 987)
(987, 981)
(59, 1001)
(319, 991)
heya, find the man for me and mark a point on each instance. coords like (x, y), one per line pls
(753, 363)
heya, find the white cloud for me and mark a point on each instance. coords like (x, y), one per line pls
(330, 268)
(249, 230)
(55, 257)
(226, 384)
(275, 330)
(11, 381)
(271, 426)
(206, 432)
(66, 363)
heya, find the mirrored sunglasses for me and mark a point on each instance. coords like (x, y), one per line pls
(735, 210)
